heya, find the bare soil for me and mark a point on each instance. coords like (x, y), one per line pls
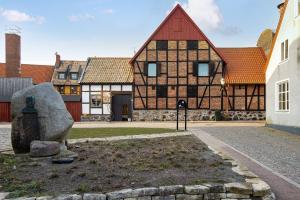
(110, 166)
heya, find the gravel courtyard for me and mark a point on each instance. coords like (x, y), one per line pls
(5, 143)
(276, 149)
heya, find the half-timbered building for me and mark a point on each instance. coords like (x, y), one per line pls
(178, 62)
(107, 89)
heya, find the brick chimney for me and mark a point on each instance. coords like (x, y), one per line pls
(13, 55)
(57, 59)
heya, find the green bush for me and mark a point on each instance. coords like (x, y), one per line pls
(218, 115)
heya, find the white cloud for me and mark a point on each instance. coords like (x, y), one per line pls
(81, 17)
(17, 16)
(205, 13)
(108, 11)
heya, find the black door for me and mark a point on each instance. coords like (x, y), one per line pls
(121, 107)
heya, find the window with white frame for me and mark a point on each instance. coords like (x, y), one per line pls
(297, 8)
(96, 100)
(283, 99)
(285, 50)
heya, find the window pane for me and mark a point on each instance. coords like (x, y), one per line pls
(203, 69)
(96, 100)
(162, 45)
(192, 44)
(286, 49)
(282, 51)
(61, 76)
(74, 76)
(152, 69)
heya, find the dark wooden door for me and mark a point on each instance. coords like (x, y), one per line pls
(121, 107)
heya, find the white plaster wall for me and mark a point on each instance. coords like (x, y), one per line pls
(127, 88)
(116, 88)
(85, 108)
(289, 69)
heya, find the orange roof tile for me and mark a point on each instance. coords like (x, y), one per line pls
(38, 73)
(244, 65)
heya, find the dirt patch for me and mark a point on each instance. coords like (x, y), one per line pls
(110, 166)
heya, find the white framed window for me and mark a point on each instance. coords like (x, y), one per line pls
(203, 69)
(285, 50)
(297, 8)
(152, 69)
(283, 96)
(74, 76)
(61, 76)
(96, 100)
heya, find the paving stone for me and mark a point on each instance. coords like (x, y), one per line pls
(94, 196)
(261, 189)
(69, 197)
(170, 197)
(188, 197)
(196, 189)
(170, 190)
(237, 196)
(140, 192)
(121, 194)
(239, 188)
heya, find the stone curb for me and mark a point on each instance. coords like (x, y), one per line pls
(129, 137)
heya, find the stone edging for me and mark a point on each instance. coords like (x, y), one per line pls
(129, 137)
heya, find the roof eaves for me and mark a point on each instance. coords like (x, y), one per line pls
(276, 35)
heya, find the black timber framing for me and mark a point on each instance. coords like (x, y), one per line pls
(231, 98)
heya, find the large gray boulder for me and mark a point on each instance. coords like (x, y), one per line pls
(54, 120)
(44, 148)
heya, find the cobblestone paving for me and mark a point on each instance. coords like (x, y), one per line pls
(5, 143)
(277, 150)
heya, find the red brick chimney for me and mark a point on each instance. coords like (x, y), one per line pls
(13, 55)
(57, 59)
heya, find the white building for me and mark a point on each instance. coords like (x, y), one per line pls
(106, 89)
(283, 69)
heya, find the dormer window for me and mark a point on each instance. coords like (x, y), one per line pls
(74, 76)
(61, 76)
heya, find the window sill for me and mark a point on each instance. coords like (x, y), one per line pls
(283, 62)
(282, 111)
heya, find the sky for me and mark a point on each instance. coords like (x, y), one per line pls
(78, 29)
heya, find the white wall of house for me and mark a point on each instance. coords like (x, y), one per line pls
(102, 91)
(288, 70)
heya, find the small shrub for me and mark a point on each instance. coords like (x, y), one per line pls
(218, 115)
(82, 188)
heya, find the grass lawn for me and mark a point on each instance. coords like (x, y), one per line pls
(76, 133)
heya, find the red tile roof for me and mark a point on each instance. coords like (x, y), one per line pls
(178, 25)
(38, 73)
(244, 65)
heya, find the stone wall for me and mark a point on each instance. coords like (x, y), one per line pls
(195, 115)
(250, 191)
(106, 118)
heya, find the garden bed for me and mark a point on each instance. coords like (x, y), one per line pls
(108, 166)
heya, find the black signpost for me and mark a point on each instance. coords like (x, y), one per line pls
(182, 104)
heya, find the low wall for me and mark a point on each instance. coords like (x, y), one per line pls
(195, 115)
(236, 191)
(106, 118)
